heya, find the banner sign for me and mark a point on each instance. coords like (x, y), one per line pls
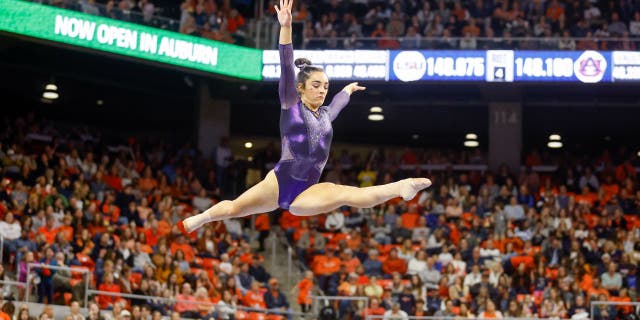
(555, 66)
(128, 39)
(437, 65)
(338, 64)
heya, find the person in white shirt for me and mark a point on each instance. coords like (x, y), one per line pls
(490, 252)
(417, 264)
(472, 278)
(225, 265)
(395, 313)
(10, 228)
(421, 231)
(445, 256)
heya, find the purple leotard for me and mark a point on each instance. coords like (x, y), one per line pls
(306, 138)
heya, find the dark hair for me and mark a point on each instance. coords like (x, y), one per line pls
(306, 68)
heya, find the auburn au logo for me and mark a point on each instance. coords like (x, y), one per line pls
(590, 67)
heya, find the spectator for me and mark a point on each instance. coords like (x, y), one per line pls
(395, 313)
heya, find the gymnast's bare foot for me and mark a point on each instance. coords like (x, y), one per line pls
(182, 228)
(411, 186)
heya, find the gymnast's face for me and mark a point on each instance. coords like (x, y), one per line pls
(314, 90)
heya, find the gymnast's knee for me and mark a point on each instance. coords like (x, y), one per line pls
(298, 210)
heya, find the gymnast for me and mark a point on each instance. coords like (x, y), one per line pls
(306, 133)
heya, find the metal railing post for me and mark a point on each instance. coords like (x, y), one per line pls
(289, 265)
(274, 244)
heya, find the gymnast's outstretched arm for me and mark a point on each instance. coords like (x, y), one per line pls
(286, 85)
(341, 99)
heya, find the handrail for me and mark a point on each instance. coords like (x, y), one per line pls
(173, 301)
(71, 269)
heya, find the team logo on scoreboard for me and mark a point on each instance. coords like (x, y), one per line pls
(590, 67)
(409, 66)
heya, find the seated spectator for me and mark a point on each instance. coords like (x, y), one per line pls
(396, 313)
(254, 298)
(372, 266)
(186, 303)
(394, 264)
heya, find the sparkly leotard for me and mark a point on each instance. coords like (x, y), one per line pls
(306, 137)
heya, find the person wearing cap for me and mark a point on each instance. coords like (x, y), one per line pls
(125, 315)
(274, 299)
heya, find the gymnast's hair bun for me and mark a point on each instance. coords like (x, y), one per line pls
(301, 63)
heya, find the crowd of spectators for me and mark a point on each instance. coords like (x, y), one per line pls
(70, 199)
(484, 244)
(428, 24)
(476, 244)
(211, 19)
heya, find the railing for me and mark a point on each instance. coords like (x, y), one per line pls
(213, 306)
(444, 318)
(471, 43)
(86, 277)
(322, 299)
(1, 249)
(595, 304)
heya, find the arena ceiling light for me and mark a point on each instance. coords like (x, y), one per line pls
(555, 137)
(554, 144)
(50, 92)
(471, 143)
(471, 140)
(248, 145)
(375, 114)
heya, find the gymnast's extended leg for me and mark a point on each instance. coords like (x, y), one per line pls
(261, 198)
(324, 197)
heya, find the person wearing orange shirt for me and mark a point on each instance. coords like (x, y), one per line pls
(374, 308)
(107, 285)
(349, 262)
(394, 264)
(326, 268)
(254, 297)
(185, 303)
(596, 289)
(112, 179)
(411, 217)
(235, 21)
(7, 311)
(586, 197)
(292, 225)
(147, 182)
(66, 229)
(48, 230)
(304, 287)
(181, 244)
(610, 189)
